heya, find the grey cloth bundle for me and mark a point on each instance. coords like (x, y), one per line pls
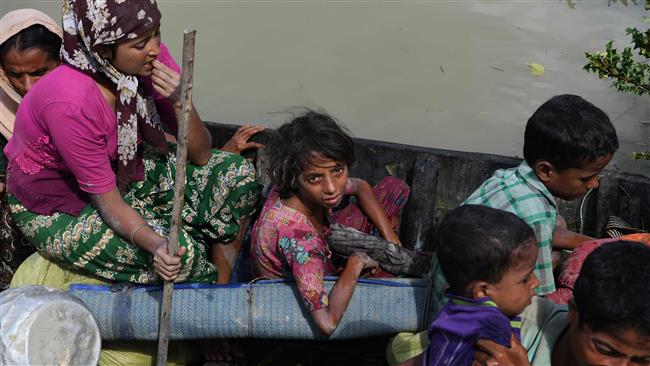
(392, 258)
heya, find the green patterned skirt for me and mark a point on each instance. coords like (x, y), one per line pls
(217, 196)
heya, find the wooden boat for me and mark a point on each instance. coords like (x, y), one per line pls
(440, 180)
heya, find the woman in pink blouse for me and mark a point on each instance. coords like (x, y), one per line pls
(310, 172)
(82, 186)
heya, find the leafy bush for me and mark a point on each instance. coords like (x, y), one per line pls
(629, 74)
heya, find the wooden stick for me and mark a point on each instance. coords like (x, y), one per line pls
(179, 189)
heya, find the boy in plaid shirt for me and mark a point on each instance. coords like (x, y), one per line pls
(567, 143)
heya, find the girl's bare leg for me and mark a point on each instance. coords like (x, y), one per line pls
(225, 255)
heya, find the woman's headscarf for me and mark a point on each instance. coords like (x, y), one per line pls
(90, 23)
(11, 24)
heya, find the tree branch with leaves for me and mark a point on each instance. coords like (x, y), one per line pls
(629, 73)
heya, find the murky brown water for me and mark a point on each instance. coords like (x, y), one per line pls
(446, 74)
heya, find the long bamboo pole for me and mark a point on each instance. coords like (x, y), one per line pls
(179, 189)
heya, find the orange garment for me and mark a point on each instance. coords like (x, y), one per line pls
(572, 266)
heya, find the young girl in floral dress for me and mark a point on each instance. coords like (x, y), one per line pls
(309, 170)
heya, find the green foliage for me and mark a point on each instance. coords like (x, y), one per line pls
(628, 74)
(641, 155)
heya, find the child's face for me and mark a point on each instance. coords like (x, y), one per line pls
(517, 285)
(323, 182)
(571, 183)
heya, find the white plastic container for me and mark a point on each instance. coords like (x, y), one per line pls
(44, 326)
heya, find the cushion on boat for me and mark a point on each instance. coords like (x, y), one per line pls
(263, 309)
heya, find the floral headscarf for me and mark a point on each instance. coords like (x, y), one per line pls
(90, 23)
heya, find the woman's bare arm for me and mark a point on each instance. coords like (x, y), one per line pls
(167, 83)
(129, 225)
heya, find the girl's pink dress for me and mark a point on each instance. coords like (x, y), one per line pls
(284, 243)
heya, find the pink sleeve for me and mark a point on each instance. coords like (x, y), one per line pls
(304, 253)
(79, 134)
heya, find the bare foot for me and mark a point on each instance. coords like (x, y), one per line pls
(222, 352)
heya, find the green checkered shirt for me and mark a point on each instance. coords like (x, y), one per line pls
(516, 190)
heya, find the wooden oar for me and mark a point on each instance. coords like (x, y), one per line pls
(179, 188)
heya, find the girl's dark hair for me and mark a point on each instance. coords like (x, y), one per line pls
(479, 243)
(295, 143)
(35, 36)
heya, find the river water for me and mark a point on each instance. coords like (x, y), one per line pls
(445, 74)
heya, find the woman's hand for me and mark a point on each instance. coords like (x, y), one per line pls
(492, 354)
(166, 265)
(166, 82)
(239, 141)
(131, 227)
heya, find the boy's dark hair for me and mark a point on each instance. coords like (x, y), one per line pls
(568, 132)
(294, 144)
(611, 292)
(479, 243)
(35, 36)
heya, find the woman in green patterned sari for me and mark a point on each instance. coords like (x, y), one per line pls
(81, 188)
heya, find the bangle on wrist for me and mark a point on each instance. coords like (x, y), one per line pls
(136, 231)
